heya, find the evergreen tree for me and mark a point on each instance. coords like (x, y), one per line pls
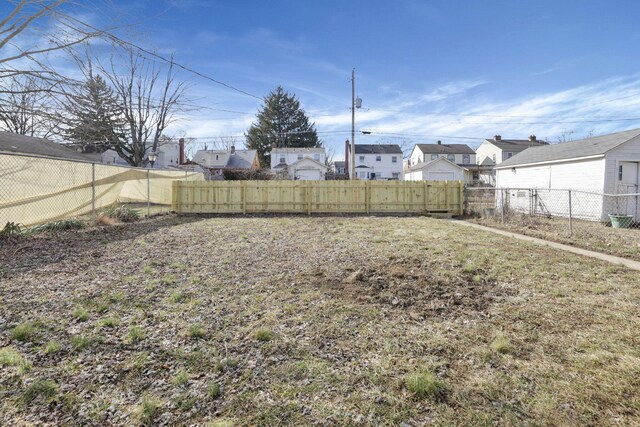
(96, 116)
(281, 123)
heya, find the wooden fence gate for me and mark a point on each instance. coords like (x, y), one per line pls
(318, 197)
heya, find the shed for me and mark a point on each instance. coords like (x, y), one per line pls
(440, 169)
(603, 165)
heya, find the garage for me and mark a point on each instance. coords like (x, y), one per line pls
(440, 176)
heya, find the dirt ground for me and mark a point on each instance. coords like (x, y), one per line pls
(300, 320)
(589, 235)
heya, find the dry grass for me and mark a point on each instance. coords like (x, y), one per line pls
(589, 235)
(313, 320)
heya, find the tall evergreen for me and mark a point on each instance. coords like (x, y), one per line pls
(95, 116)
(281, 123)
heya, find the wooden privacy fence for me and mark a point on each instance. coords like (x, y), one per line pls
(318, 197)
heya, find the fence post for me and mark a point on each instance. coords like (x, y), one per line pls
(462, 197)
(502, 193)
(570, 215)
(148, 196)
(93, 190)
(244, 197)
(309, 189)
(426, 201)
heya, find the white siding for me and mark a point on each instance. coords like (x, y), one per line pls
(487, 149)
(418, 156)
(438, 171)
(292, 155)
(629, 152)
(383, 169)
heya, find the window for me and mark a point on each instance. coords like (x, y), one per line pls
(434, 157)
(466, 159)
(620, 173)
(299, 156)
(362, 158)
(396, 175)
(316, 157)
(216, 157)
(378, 158)
(493, 158)
(394, 159)
(509, 155)
(451, 157)
(282, 159)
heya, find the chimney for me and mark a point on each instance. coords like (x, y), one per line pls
(347, 158)
(497, 137)
(532, 138)
(233, 149)
(181, 145)
(439, 142)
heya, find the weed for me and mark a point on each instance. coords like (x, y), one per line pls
(81, 314)
(122, 213)
(185, 401)
(11, 229)
(168, 280)
(196, 332)
(52, 347)
(10, 357)
(230, 362)
(79, 343)
(147, 269)
(424, 384)
(213, 390)
(180, 379)
(45, 388)
(501, 345)
(23, 331)
(102, 307)
(109, 322)
(263, 335)
(148, 409)
(136, 334)
(176, 297)
(180, 266)
(63, 224)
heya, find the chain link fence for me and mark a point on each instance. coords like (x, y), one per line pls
(607, 223)
(36, 190)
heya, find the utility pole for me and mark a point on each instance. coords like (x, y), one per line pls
(353, 125)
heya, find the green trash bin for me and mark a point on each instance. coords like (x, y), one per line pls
(620, 221)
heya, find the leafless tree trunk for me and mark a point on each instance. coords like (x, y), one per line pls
(150, 96)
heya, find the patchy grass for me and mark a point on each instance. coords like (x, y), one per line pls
(81, 314)
(23, 331)
(424, 385)
(313, 321)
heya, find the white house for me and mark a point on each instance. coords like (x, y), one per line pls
(439, 169)
(422, 156)
(219, 160)
(168, 153)
(494, 151)
(376, 161)
(301, 163)
(604, 164)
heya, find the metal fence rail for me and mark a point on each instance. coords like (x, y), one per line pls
(35, 190)
(510, 204)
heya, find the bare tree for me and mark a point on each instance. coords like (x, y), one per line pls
(150, 96)
(26, 108)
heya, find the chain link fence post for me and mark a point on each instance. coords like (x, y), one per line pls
(93, 190)
(148, 196)
(570, 216)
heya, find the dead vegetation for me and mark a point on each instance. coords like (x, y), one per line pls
(312, 321)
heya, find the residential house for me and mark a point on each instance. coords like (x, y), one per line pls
(339, 167)
(219, 160)
(440, 169)
(30, 145)
(422, 162)
(375, 161)
(604, 164)
(167, 152)
(494, 151)
(300, 163)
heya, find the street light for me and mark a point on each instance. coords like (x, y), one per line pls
(152, 158)
(355, 103)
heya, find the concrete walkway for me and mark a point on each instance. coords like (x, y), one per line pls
(634, 265)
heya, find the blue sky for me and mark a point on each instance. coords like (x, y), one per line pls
(426, 70)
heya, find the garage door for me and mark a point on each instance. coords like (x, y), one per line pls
(441, 176)
(306, 175)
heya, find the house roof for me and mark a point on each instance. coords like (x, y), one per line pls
(445, 148)
(573, 149)
(14, 143)
(340, 164)
(378, 149)
(298, 149)
(422, 165)
(241, 159)
(515, 145)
